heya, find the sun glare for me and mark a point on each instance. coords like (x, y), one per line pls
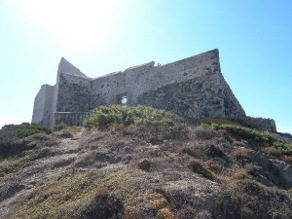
(73, 23)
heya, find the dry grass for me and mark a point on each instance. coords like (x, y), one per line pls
(203, 132)
(287, 159)
(214, 167)
(198, 167)
(219, 121)
(141, 172)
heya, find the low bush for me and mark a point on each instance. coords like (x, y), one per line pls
(138, 115)
(189, 151)
(12, 137)
(103, 205)
(154, 119)
(12, 147)
(144, 165)
(246, 133)
(204, 132)
(283, 148)
(266, 202)
(276, 145)
(197, 167)
(20, 131)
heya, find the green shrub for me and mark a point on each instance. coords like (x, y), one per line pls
(284, 148)
(197, 167)
(257, 136)
(155, 122)
(247, 133)
(204, 132)
(22, 130)
(138, 115)
(104, 116)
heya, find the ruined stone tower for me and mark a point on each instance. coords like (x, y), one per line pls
(192, 87)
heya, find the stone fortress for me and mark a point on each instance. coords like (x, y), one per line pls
(192, 87)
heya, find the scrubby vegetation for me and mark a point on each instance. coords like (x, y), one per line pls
(151, 122)
(20, 131)
(144, 163)
(284, 148)
(15, 138)
(263, 138)
(138, 115)
(247, 133)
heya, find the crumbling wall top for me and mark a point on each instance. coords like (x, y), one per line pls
(67, 67)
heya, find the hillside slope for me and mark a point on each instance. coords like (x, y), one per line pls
(118, 170)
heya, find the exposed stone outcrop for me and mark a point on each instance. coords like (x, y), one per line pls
(278, 172)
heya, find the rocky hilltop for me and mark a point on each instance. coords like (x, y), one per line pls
(144, 163)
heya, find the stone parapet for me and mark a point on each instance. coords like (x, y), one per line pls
(258, 123)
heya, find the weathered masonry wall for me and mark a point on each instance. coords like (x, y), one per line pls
(74, 94)
(43, 103)
(259, 123)
(192, 87)
(131, 81)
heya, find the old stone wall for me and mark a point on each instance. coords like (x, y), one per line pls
(43, 103)
(259, 123)
(188, 99)
(195, 88)
(74, 93)
(130, 81)
(192, 87)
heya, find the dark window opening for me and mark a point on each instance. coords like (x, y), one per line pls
(122, 99)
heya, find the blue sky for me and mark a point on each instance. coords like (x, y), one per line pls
(254, 38)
